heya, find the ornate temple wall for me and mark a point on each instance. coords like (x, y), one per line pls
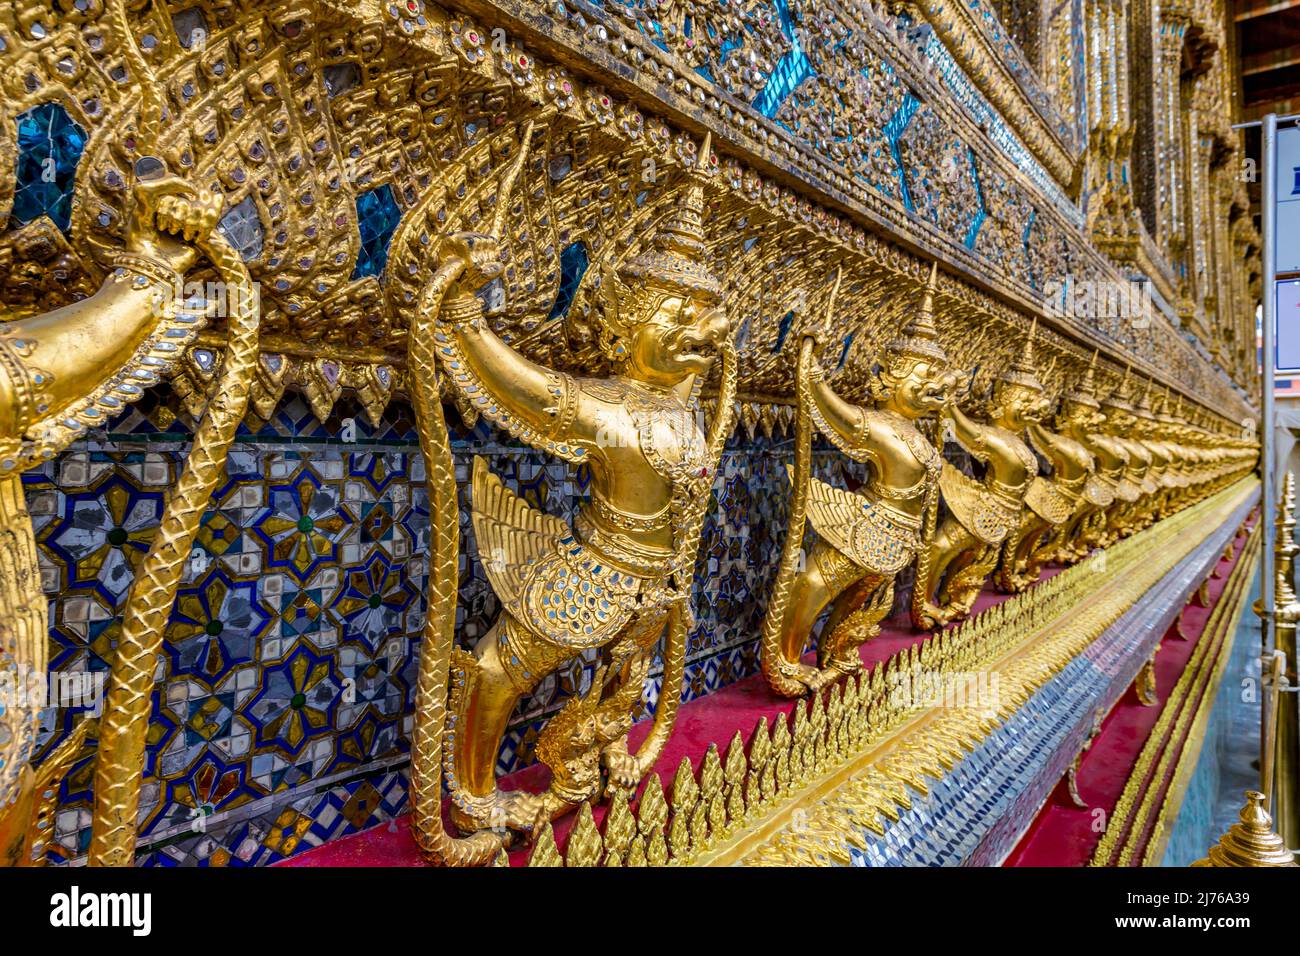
(307, 588)
(344, 135)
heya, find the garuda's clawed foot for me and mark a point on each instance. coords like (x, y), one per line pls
(624, 770)
(1015, 579)
(839, 664)
(815, 678)
(929, 616)
(502, 811)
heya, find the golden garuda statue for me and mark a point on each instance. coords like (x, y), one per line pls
(61, 372)
(1130, 484)
(1157, 434)
(983, 514)
(1197, 455)
(863, 539)
(1112, 460)
(613, 583)
(1053, 504)
(77, 366)
(1076, 422)
(1155, 478)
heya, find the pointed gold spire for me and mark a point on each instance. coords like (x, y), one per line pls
(920, 337)
(1119, 398)
(1085, 393)
(1022, 371)
(1142, 406)
(675, 261)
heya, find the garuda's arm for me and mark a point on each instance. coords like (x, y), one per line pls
(74, 366)
(529, 401)
(1048, 443)
(533, 403)
(847, 425)
(969, 433)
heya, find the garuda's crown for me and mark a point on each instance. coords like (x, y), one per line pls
(1119, 399)
(1142, 407)
(675, 261)
(920, 337)
(1022, 371)
(1085, 393)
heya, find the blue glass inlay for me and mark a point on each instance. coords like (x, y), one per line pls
(982, 212)
(966, 96)
(893, 130)
(844, 352)
(49, 148)
(791, 70)
(573, 265)
(377, 219)
(783, 330)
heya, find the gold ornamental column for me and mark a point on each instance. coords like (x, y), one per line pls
(1285, 800)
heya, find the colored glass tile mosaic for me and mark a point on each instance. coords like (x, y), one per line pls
(377, 218)
(49, 147)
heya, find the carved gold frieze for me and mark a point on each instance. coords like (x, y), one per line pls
(809, 790)
(293, 115)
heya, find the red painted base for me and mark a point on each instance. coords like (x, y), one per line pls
(1063, 834)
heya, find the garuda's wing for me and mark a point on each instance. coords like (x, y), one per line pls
(972, 506)
(1046, 501)
(832, 513)
(859, 528)
(511, 534)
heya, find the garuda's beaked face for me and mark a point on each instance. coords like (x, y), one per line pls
(679, 338)
(1117, 420)
(1018, 405)
(1079, 415)
(919, 387)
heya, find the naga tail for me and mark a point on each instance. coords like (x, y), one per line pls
(778, 671)
(119, 764)
(435, 843)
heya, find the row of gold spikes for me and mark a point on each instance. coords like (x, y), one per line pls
(756, 775)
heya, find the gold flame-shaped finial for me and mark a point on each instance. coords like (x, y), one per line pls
(507, 184)
(835, 292)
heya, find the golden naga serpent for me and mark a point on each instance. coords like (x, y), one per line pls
(431, 836)
(124, 725)
(119, 765)
(778, 671)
